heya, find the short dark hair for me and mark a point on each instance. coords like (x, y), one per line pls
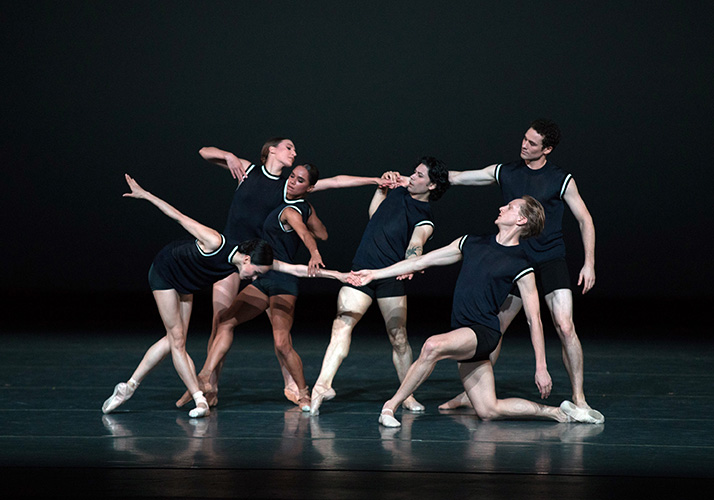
(549, 130)
(534, 212)
(313, 174)
(438, 174)
(259, 251)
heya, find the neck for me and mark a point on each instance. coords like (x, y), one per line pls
(537, 163)
(508, 236)
(274, 167)
(420, 196)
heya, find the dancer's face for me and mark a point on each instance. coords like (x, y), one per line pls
(419, 182)
(532, 146)
(284, 152)
(251, 271)
(298, 183)
(510, 214)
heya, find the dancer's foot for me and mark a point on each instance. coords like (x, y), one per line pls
(582, 415)
(386, 418)
(460, 401)
(413, 405)
(122, 392)
(292, 394)
(304, 400)
(202, 409)
(320, 393)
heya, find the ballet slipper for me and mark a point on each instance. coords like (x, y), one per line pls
(122, 392)
(291, 395)
(386, 418)
(320, 393)
(413, 405)
(202, 409)
(304, 401)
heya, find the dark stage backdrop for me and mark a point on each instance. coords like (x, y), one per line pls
(91, 90)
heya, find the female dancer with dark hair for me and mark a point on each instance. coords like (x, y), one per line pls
(287, 227)
(260, 190)
(179, 270)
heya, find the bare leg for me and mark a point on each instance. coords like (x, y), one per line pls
(456, 344)
(480, 386)
(250, 303)
(508, 312)
(282, 311)
(560, 303)
(351, 306)
(394, 312)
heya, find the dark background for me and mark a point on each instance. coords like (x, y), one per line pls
(91, 90)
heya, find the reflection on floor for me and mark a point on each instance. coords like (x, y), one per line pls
(658, 399)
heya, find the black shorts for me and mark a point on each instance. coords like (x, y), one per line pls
(276, 283)
(381, 289)
(550, 276)
(157, 282)
(487, 340)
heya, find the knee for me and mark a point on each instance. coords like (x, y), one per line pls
(398, 338)
(565, 328)
(487, 413)
(431, 351)
(177, 340)
(283, 344)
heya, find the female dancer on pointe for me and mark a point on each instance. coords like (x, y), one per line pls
(180, 269)
(260, 190)
(290, 224)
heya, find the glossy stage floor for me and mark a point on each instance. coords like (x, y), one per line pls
(655, 387)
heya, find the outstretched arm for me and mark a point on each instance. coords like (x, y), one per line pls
(484, 177)
(415, 248)
(531, 308)
(443, 256)
(236, 166)
(301, 271)
(586, 278)
(208, 239)
(294, 219)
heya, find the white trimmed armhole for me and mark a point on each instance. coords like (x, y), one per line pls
(497, 173)
(461, 242)
(565, 185)
(223, 242)
(426, 223)
(523, 273)
(280, 216)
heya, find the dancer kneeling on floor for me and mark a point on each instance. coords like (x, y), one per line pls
(491, 264)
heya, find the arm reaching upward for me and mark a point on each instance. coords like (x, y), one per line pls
(208, 239)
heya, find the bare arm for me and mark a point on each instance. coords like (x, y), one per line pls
(531, 308)
(443, 256)
(294, 219)
(236, 166)
(415, 248)
(208, 239)
(316, 227)
(345, 181)
(572, 197)
(484, 177)
(301, 271)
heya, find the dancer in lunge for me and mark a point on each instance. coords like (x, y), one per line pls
(491, 266)
(400, 224)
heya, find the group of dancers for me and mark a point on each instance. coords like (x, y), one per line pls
(269, 220)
